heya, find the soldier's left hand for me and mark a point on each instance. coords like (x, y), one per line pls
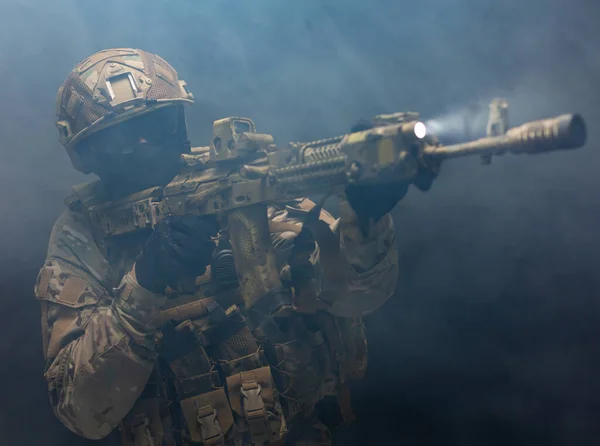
(373, 201)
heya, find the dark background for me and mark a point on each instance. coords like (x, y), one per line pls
(492, 337)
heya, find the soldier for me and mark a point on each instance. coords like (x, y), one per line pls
(127, 349)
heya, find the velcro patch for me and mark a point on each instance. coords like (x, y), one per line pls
(72, 290)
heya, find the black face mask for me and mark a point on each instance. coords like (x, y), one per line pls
(140, 153)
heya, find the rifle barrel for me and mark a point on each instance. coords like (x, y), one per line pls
(564, 132)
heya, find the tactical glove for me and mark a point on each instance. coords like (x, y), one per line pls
(373, 201)
(179, 248)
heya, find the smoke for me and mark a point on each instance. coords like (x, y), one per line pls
(459, 124)
(490, 337)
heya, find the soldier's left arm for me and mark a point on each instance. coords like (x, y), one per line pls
(371, 258)
(372, 262)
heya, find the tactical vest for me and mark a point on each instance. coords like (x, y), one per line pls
(220, 380)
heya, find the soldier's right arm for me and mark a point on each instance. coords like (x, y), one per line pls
(98, 342)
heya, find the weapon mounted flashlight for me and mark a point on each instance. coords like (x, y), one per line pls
(414, 128)
(420, 130)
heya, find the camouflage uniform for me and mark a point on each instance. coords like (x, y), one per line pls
(190, 369)
(101, 363)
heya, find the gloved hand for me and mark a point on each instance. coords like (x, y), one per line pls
(179, 248)
(373, 201)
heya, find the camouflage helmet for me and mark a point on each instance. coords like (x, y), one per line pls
(112, 86)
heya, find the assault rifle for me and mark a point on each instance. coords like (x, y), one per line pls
(243, 171)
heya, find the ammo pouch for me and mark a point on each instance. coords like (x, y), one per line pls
(298, 356)
(208, 417)
(303, 370)
(149, 422)
(255, 402)
(250, 385)
(249, 405)
(204, 405)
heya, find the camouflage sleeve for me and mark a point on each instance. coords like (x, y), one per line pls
(372, 260)
(98, 355)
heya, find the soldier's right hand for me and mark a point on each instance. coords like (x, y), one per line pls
(179, 248)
